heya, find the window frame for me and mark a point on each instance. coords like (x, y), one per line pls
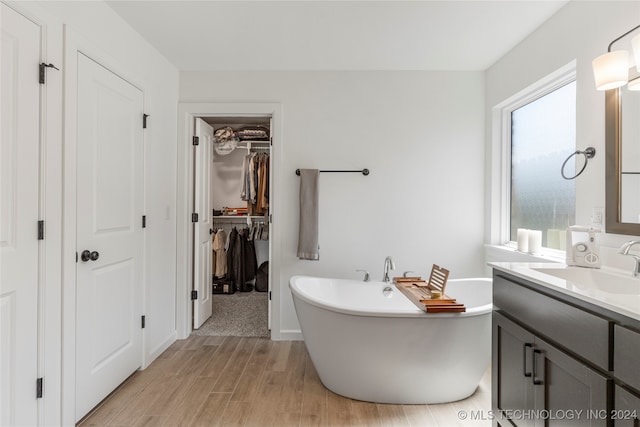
(500, 222)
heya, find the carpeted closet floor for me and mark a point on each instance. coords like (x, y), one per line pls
(243, 314)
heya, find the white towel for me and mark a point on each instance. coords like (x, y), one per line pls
(308, 233)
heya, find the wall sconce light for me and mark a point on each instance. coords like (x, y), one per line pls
(611, 70)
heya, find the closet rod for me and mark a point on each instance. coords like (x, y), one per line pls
(363, 171)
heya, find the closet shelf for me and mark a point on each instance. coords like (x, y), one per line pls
(250, 144)
(237, 218)
(247, 142)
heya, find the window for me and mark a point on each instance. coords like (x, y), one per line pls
(543, 135)
(534, 132)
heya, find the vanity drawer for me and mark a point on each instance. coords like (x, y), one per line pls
(580, 332)
(626, 359)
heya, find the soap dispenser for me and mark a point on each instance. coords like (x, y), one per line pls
(581, 249)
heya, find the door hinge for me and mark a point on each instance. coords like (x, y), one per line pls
(270, 218)
(194, 217)
(39, 387)
(143, 321)
(40, 230)
(44, 66)
(196, 140)
(269, 295)
(144, 121)
(76, 256)
(144, 221)
(194, 295)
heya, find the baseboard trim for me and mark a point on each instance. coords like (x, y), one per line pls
(288, 335)
(153, 355)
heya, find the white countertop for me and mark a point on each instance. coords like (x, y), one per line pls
(627, 304)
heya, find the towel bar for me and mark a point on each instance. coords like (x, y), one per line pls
(363, 171)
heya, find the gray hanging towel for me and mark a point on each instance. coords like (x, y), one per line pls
(308, 233)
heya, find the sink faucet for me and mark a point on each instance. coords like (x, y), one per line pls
(624, 250)
(388, 265)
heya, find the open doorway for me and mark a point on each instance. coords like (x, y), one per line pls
(240, 296)
(231, 251)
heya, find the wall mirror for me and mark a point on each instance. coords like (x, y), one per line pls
(622, 138)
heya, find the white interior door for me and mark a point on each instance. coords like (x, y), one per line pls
(109, 233)
(19, 266)
(202, 229)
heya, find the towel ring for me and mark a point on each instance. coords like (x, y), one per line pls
(589, 153)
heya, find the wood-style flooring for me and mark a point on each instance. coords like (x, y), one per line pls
(251, 381)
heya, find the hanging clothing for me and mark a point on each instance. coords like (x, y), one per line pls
(243, 262)
(230, 249)
(213, 250)
(245, 170)
(255, 183)
(261, 202)
(220, 266)
(251, 196)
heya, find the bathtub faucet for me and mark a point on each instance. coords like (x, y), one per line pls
(388, 265)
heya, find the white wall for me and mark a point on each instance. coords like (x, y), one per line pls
(420, 134)
(581, 30)
(110, 38)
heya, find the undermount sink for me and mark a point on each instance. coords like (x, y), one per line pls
(589, 278)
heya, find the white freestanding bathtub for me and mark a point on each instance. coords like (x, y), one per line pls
(381, 348)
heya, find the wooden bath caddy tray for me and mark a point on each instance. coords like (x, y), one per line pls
(429, 297)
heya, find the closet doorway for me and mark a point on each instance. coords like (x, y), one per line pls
(230, 185)
(237, 263)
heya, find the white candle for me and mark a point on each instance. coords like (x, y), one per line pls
(535, 241)
(523, 239)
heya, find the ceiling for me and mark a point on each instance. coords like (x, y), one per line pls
(335, 35)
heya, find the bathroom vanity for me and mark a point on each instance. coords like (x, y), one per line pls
(565, 347)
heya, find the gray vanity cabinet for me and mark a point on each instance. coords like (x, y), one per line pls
(626, 362)
(512, 384)
(536, 384)
(627, 408)
(626, 358)
(550, 359)
(571, 392)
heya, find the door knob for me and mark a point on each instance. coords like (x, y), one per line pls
(89, 256)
